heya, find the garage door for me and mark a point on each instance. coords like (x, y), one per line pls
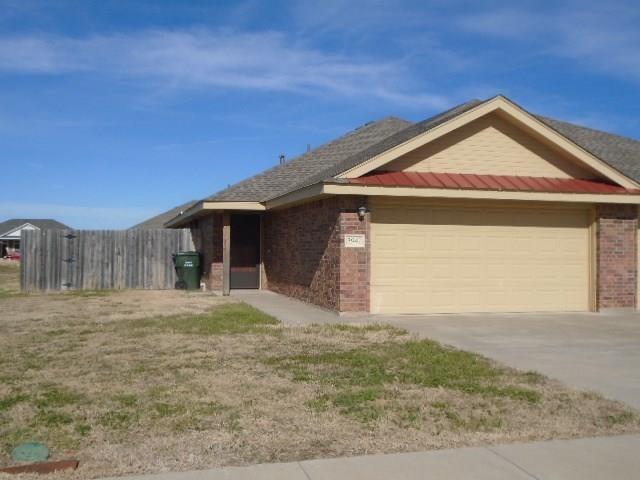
(439, 258)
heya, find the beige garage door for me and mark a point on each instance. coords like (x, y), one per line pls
(437, 258)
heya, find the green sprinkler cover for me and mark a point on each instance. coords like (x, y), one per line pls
(30, 452)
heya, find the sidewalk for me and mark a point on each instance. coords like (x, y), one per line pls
(611, 458)
(289, 311)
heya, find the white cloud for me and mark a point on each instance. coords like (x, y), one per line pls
(603, 37)
(266, 61)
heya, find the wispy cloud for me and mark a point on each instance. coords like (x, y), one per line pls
(603, 36)
(265, 61)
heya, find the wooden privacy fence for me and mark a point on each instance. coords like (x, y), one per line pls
(100, 259)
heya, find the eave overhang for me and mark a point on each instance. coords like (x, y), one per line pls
(203, 208)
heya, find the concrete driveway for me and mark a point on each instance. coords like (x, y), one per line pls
(589, 351)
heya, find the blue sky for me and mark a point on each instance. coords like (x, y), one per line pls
(112, 111)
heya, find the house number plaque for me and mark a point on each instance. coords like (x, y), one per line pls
(354, 241)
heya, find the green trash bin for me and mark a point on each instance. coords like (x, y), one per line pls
(188, 270)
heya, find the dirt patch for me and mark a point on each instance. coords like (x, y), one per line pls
(140, 382)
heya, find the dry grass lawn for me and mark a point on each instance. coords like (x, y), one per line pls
(132, 382)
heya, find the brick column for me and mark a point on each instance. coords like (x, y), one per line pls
(617, 256)
(354, 262)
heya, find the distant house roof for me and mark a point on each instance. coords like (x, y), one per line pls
(41, 223)
(159, 220)
(348, 151)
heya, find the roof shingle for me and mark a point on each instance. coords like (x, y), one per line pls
(621, 153)
(281, 178)
(159, 220)
(348, 151)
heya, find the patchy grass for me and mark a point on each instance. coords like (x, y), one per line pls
(364, 378)
(138, 381)
(227, 319)
(9, 278)
(83, 294)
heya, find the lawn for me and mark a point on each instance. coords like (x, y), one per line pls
(9, 278)
(133, 382)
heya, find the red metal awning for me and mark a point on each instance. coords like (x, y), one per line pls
(467, 181)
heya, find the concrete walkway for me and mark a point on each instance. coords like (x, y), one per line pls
(614, 458)
(287, 310)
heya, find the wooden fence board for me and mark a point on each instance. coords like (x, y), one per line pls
(100, 259)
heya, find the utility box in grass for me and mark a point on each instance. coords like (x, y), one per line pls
(188, 270)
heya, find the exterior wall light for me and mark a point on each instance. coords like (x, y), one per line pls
(362, 211)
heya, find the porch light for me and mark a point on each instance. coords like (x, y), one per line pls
(362, 211)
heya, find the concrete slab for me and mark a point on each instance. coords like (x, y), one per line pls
(287, 310)
(271, 471)
(589, 351)
(583, 459)
(464, 463)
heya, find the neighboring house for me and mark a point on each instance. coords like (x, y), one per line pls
(159, 220)
(483, 208)
(11, 232)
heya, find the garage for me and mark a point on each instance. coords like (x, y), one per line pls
(430, 256)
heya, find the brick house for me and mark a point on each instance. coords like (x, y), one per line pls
(483, 208)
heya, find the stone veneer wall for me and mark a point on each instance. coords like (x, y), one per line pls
(617, 256)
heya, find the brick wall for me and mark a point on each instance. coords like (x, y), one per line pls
(304, 256)
(301, 252)
(207, 238)
(354, 262)
(617, 256)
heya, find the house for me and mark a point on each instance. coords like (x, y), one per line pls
(159, 220)
(483, 208)
(11, 231)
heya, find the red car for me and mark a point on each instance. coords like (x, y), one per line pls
(14, 256)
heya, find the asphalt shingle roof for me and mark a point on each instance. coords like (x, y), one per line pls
(159, 220)
(41, 223)
(282, 178)
(621, 153)
(348, 151)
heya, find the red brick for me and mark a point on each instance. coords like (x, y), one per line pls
(207, 238)
(305, 257)
(616, 256)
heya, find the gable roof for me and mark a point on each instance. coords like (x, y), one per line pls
(43, 224)
(356, 147)
(159, 220)
(620, 152)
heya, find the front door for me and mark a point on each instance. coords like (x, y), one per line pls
(245, 251)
